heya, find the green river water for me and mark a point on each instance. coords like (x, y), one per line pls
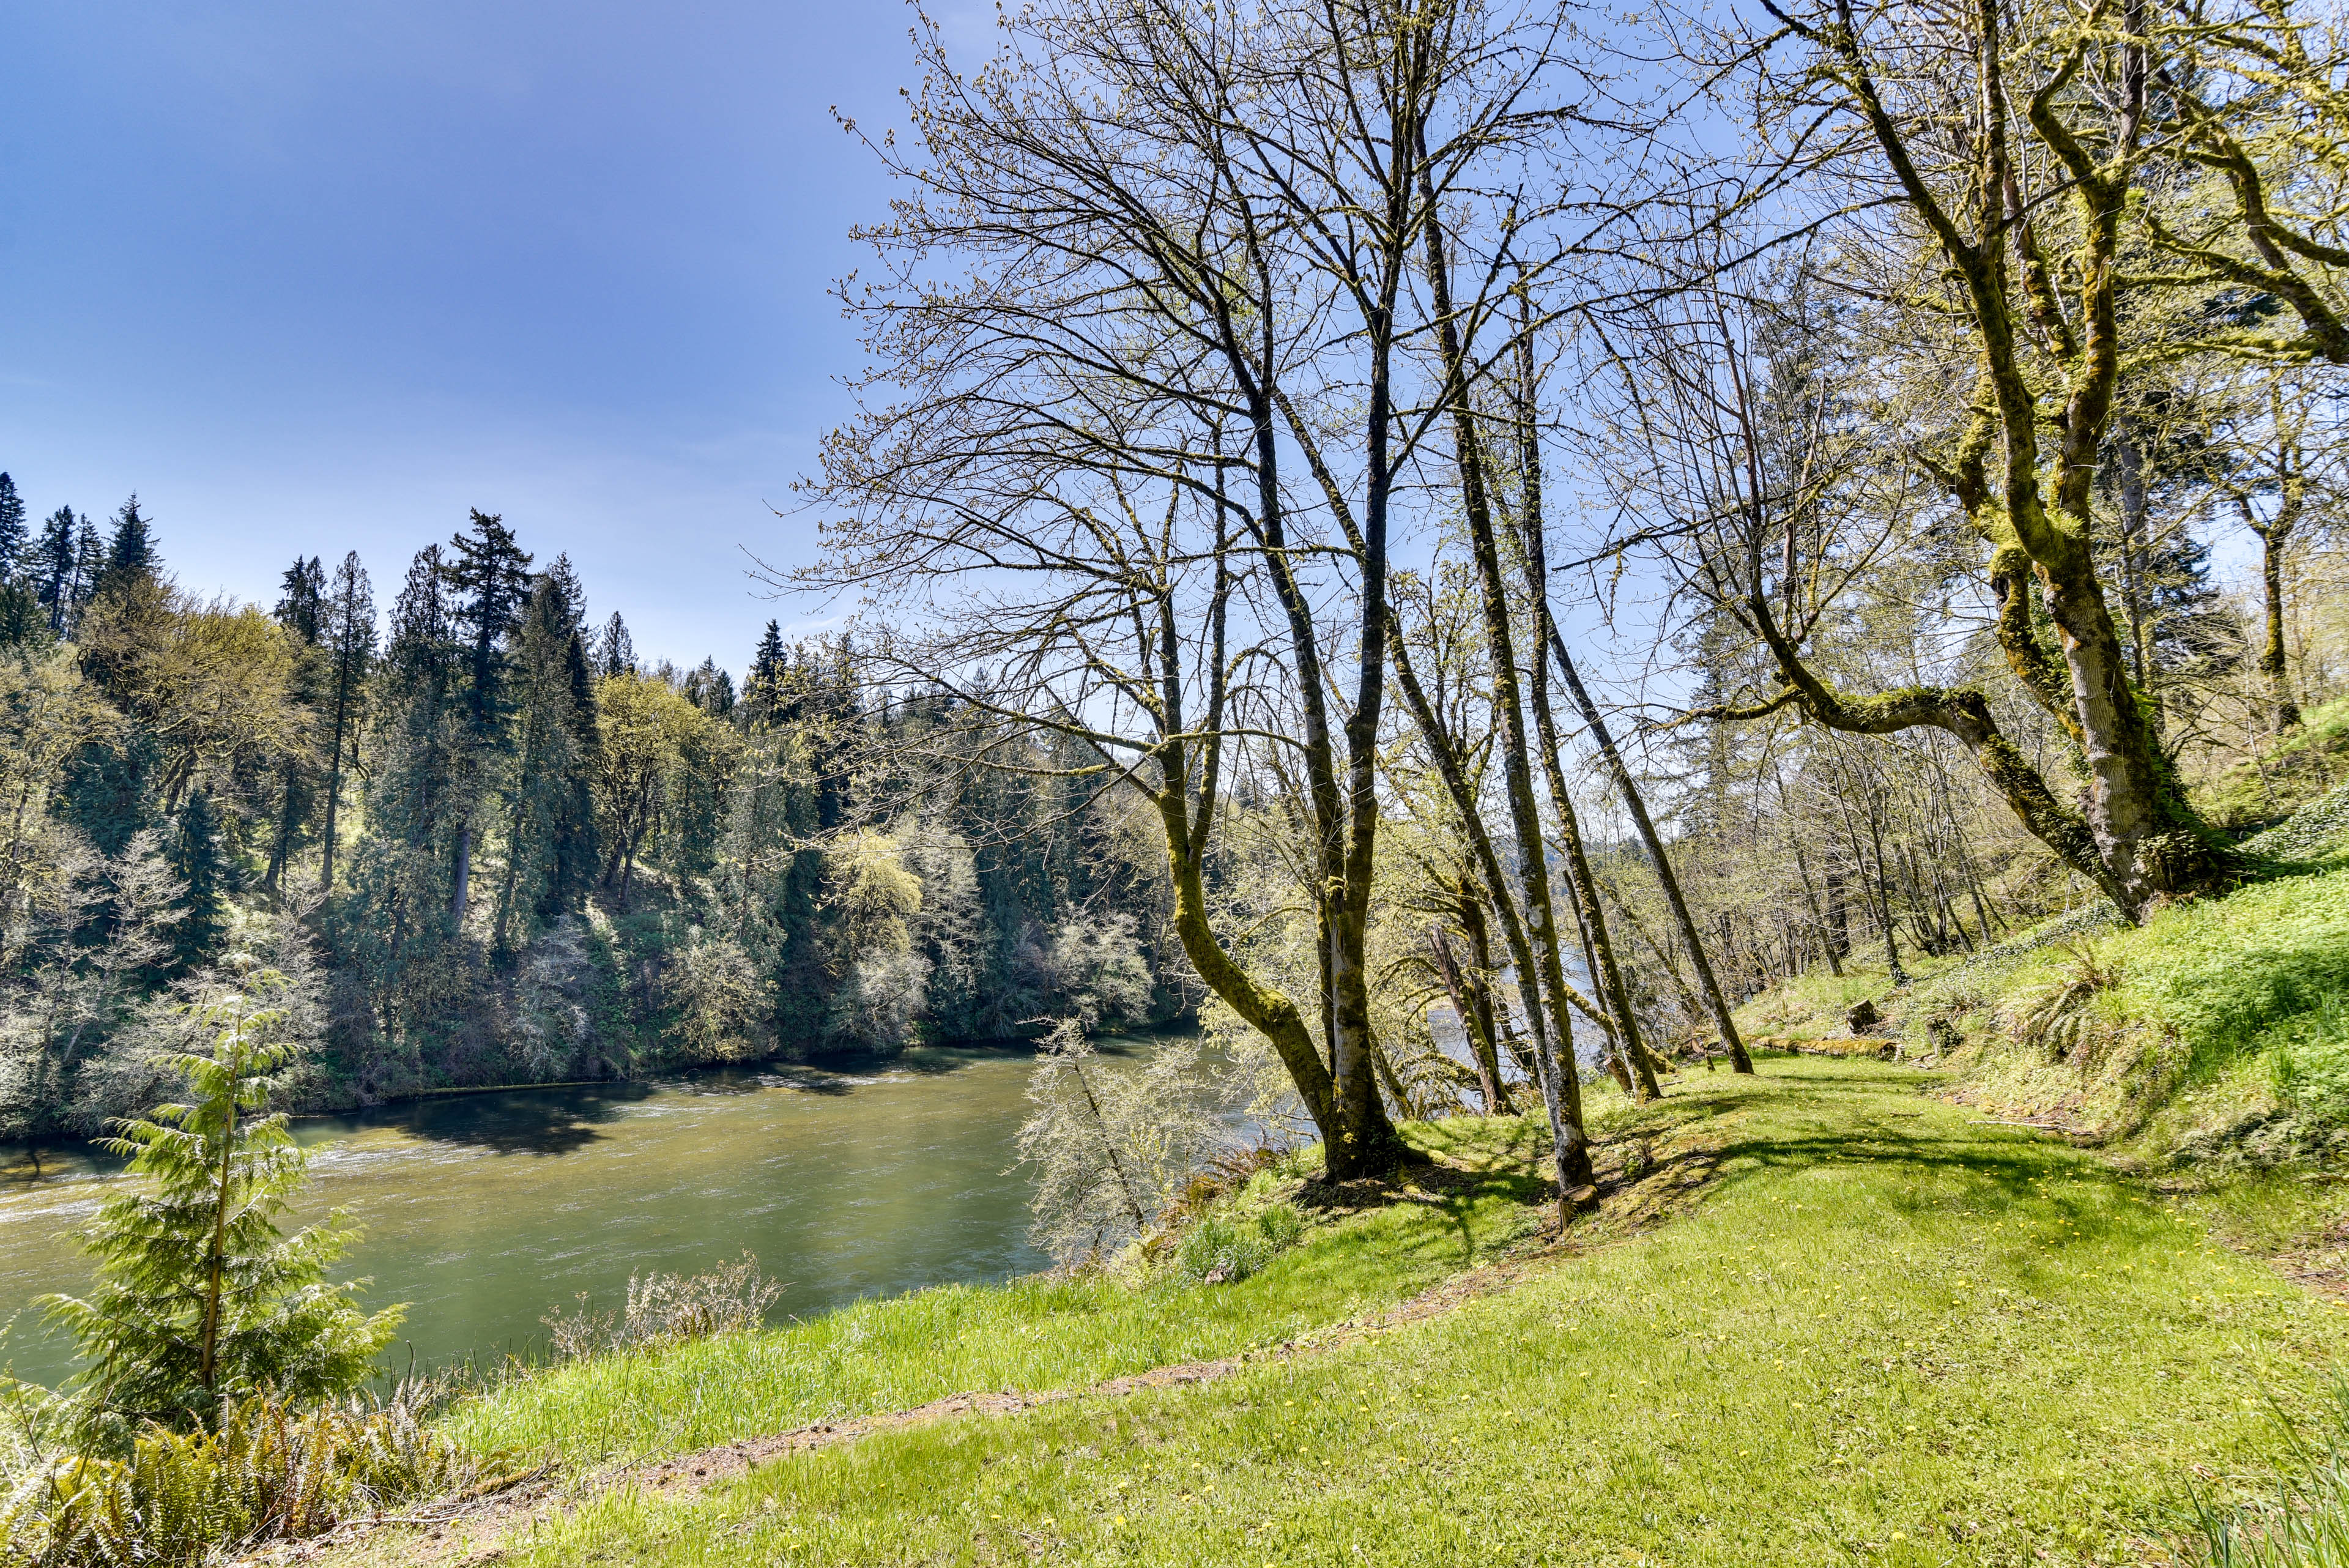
(483, 1212)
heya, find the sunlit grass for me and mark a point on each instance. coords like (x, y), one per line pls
(1032, 1335)
(1893, 1334)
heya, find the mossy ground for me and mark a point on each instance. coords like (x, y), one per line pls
(1889, 1332)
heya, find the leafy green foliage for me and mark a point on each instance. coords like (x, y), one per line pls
(264, 1471)
(201, 1297)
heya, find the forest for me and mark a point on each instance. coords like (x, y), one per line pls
(489, 844)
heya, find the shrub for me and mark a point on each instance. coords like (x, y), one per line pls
(663, 1309)
(264, 1472)
(200, 1296)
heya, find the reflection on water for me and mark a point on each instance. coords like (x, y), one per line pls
(483, 1212)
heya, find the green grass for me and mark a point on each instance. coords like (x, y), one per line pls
(1034, 1333)
(1892, 1333)
(2229, 1022)
(2299, 766)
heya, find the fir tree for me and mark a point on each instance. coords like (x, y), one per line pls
(89, 562)
(539, 886)
(578, 853)
(129, 551)
(12, 529)
(302, 599)
(20, 610)
(201, 1296)
(51, 569)
(762, 692)
(199, 860)
(301, 610)
(615, 653)
(711, 689)
(408, 785)
(490, 574)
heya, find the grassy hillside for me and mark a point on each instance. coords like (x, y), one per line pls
(2215, 1036)
(1889, 1332)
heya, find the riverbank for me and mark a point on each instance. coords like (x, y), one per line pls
(1889, 1332)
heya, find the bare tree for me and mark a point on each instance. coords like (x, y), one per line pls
(1181, 228)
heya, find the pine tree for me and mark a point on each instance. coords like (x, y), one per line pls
(349, 637)
(12, 530)
(201, 1297)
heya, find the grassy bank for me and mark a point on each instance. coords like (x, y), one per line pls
(2215, 1037)
(1038, 1334)
(1891, 1332)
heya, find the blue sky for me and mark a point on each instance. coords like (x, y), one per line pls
(318, 277)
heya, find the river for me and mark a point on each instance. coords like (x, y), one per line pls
(483, 1212)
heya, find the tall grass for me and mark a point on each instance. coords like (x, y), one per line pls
(2303, 1523)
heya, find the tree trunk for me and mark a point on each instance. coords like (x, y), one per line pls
(1637, 1072)
(1655, 844)
(333, 782)
(1811, 894)
(1561, 1087)
(1480, 1041)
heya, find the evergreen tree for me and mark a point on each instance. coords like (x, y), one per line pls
(711, 689)
(22, 619)
(109, 791)
(540, 883)
(616, 654)
(197, 860)
(200, 1295)
(348, 633)
(20, 610)
(578, 853)
(408, 810)
(763, 691)
(129, 551)
(490, 575)
(89, 562)
(301, 610)
(12, 529)
(563, 578)
(51, 569)
(302, 600)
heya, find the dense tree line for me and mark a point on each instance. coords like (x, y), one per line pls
(490, 844)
